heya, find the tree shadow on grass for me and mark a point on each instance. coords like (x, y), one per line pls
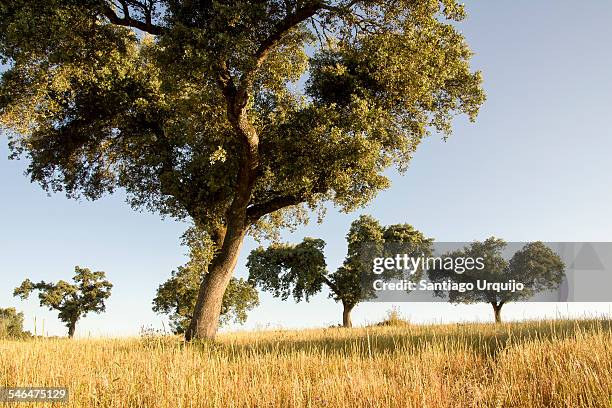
(485, 340)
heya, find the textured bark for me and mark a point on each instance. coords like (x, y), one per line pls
(205, 321)
(346, 315)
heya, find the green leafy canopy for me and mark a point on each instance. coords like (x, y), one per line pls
(11, 324)
(535, 265)
(196, 108)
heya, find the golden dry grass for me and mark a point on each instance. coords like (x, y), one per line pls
(532, 364)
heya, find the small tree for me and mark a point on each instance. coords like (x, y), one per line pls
(300, 270)
(72, 301)
(11, 324)
(536, 266)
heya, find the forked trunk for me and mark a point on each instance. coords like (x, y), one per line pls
(497, 311)
(205, 321)
(346, 315)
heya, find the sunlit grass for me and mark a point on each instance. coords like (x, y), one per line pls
(553, 363)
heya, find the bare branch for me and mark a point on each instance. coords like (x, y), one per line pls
(127, 21)
(331, 286)
(257, 211)
(340, 9)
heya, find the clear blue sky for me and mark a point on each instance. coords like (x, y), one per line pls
(535, 166)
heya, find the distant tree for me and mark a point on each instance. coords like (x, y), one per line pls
(73, 301)
(178, 295)
(190, 106)
(301, 271)
(536, 266)
(11, 324)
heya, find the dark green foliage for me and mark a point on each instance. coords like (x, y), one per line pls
(73, 301)
(300, 270)
(290, 270)
(538, 267)
(11, 324)
(535, 265)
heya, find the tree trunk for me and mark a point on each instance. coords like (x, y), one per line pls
(346, 315)
(71, 328)
(497, 311)
(205, 321)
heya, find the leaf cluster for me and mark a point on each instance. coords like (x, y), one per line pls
(11, 324)
(535, 265)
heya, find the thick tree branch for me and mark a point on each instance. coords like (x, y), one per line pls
(255, 212)
(331, 285)
(127, 21)
(301, 14)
